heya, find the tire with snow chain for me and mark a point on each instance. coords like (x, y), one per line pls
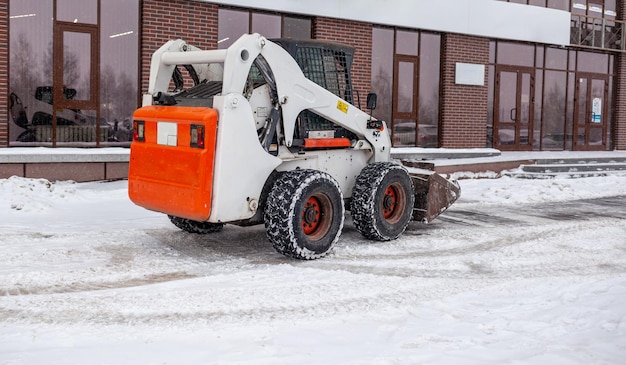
(194, 226)
(304, 214)
(382, 201)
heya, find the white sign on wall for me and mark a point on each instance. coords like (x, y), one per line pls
(469, 74)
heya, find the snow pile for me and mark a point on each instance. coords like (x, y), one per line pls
(67, 206)
(33, 195)
(510, 190)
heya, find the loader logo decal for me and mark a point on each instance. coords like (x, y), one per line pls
(342, 106)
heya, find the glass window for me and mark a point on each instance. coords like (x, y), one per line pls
(119, 65)
(230, 26)
(382, 71)
(233, 23)
(595, 8)
(610, 9)
(297, 28)
(516, 54)
(539, 55)
(267, 25)
(413, 108)
(572, 61)
(77, 65)
(75, 127)
(579, 7)
(404, 132)
(541, 3)
(559, 4)
(537, 109)
(554, 104)
(569, 115)
(507, 100)
(406, 42)
(430, 56)
(406, 79)
(593, 62)
(30, 68)
(556, 58)
(78, 11)
(31, 82)
(428, 98)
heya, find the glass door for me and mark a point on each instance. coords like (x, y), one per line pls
(75, 97)
(513, 104)
(590, 112)
(404, 128)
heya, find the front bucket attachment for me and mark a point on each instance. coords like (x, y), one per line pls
(433, 195)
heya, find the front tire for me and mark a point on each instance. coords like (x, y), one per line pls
(304, 214)
(382, 201)
(195, 227)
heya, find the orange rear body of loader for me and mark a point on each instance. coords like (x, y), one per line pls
(172, 159)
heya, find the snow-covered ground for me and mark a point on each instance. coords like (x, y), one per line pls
(517, 272)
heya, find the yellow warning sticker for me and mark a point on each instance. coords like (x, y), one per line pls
(342, 106)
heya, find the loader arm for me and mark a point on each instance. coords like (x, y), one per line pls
(295, 92)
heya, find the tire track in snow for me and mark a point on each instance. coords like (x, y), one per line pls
(96, 285)
(162, 276)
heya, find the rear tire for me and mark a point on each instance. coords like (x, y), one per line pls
(382, 201)
(304, 214)
(194, 226)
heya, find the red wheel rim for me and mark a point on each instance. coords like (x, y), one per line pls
(311, 216)
(390, 201)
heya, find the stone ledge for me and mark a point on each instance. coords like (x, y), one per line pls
(417, 153)
(496, 167)
(75, 171)
(19, 155)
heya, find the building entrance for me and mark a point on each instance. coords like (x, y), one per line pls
(514, 109)
(590, 111)
(75, 92)
(404, 130)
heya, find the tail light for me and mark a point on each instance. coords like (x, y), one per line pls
(197, 136)
(139, 128)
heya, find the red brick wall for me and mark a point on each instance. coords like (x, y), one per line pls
(164, 20)
(355, 34)
(619, 120)
(4, 73)
(463, 107)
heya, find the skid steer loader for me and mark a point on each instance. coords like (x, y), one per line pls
(266, 132)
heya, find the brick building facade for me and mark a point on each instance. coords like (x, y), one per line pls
(463, 107)
(619, 126)
(464, 113)
(162, 21)
(4, 73)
